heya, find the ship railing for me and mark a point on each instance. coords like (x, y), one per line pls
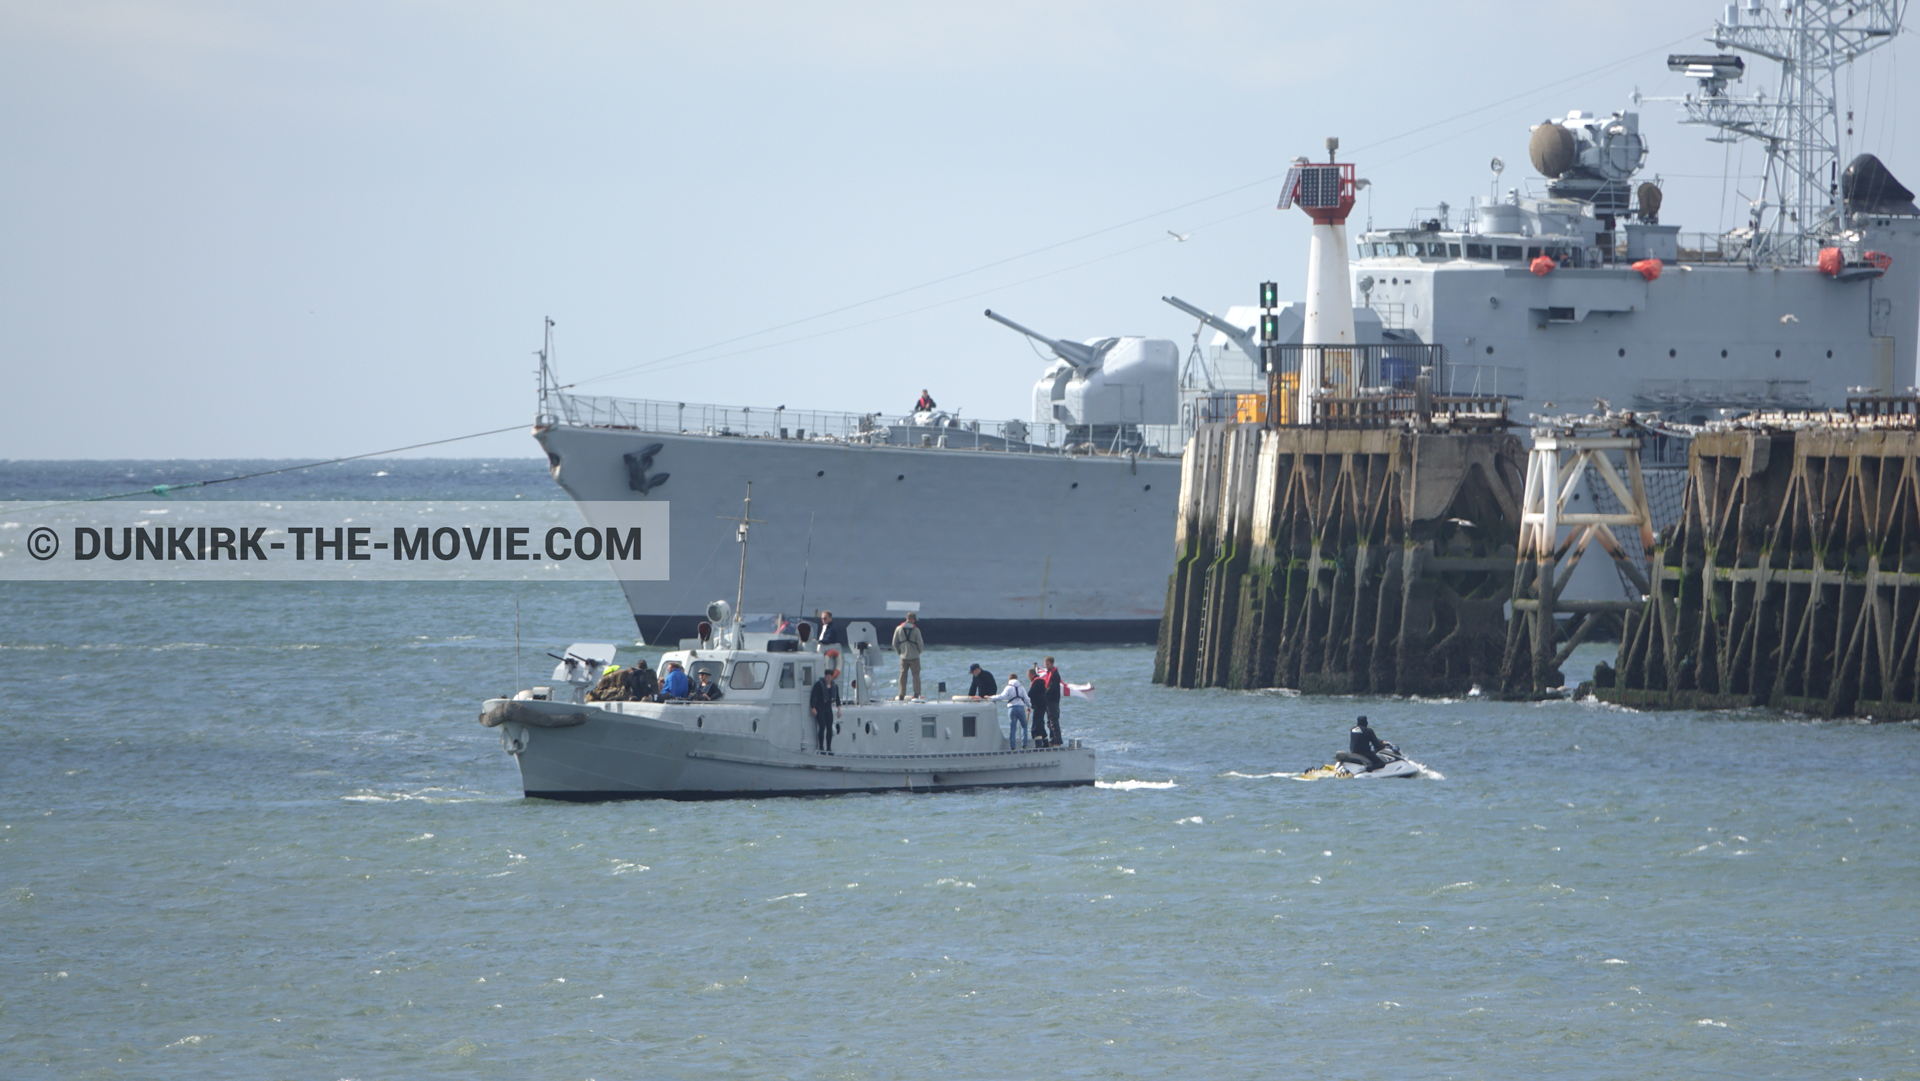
(942, 430)
(1352, 373)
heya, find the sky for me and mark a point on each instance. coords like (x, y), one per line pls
(267, 230)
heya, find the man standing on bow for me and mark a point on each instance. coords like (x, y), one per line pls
(909, 644)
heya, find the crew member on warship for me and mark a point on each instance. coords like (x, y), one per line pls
(908, 643)
(825, 705)
(1362, 740)
(925, 404)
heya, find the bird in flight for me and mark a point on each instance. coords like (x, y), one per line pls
(1181, 237)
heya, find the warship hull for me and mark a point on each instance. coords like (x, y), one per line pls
(989, 546)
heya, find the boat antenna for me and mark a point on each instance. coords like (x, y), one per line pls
(516, 644)
(806, 566)
(740, 531)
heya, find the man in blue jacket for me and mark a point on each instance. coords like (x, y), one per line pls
(675, 683)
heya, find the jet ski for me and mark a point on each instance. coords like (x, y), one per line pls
(1347, 764)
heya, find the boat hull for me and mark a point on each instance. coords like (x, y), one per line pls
(698, 753)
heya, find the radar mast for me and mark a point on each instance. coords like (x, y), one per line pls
(1798, 209)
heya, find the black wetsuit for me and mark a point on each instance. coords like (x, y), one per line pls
(821, 702)
(1362, 741)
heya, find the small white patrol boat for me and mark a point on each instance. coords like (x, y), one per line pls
(757, 739)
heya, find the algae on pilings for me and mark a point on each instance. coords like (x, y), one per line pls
(1792, 578)
(1343, 561)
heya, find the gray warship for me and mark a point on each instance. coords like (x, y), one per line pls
(1556, 300)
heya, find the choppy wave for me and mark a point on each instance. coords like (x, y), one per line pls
(1130, 786)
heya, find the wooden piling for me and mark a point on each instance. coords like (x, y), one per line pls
(1792, 578)
(1342, 561)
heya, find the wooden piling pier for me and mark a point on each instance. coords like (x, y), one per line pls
(1363, 554)
(1793, 577)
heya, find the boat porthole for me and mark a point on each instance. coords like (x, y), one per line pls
(902, 476)
(820, 473)
(1149, 488)
(869, 728)
(1723, 354)
(1776, 354)
(896, 726)
(1489, 350)
(1623, 352)
(1829, 354)
(756, 724)
(699, 722)
(1076, 484)
(1673, 352)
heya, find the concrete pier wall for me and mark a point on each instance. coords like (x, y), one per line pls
(1791, 580)
(1342, 560)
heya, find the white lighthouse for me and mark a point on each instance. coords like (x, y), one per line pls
(1326, 193)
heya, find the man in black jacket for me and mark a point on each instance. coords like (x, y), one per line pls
(1054, 683)
(825, 705)
(831, 633)
(1362, 741)
(983, 685)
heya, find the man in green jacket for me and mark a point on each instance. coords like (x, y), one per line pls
(908, 643)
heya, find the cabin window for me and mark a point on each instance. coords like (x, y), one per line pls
(968, 725)
(786, 674)
(1533, 253)
(1560, 315)
(1453, 251)
(1479, 251)
(927, 725)
(713, 669)
(1390, 249)
(806, 674)
(748, 675)
(1509, 251)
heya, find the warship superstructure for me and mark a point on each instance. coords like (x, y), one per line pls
(1557, 300)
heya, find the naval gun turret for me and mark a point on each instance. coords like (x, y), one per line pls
(1240, 336)
(1104, 389)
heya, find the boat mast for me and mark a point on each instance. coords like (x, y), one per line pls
(740, 532)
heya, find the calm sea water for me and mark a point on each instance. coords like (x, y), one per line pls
(254, 831)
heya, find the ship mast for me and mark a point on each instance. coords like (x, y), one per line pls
(1798, 209)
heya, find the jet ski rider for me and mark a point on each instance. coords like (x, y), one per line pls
(1362, 740)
